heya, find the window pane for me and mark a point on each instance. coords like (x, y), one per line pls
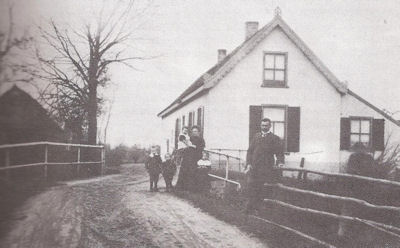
(269, 75)
(365, 126)
(280, 75)
(355, 126)
(269, 61)
(279, 129)
(280, 62)
(274, 114)
(354, 138)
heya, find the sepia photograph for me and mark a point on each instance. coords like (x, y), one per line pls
(199, 123)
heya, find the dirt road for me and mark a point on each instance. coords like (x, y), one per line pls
(118, 211)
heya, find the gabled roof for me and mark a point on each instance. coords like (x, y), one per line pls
(210, 78)
(19, 111)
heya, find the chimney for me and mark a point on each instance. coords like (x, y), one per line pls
(251, 28)
(221, 54)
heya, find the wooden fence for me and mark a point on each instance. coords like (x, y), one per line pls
(385, 229)
(7, 149)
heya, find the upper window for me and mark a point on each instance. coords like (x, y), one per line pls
(360, 131)
(275, 69)
(277, 115)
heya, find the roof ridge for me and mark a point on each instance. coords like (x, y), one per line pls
(233, 58)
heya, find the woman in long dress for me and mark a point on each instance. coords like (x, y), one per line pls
(192, 154)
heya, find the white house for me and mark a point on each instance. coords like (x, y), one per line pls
(274, 74)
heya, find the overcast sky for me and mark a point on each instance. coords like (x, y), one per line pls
(359, 41)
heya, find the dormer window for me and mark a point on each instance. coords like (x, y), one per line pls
(275, 69)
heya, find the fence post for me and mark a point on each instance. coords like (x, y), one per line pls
(7, 161)
(227, 167)
(102, 160)
(46, 151)
(239, 161)
(219, 158)
(301, 173)
(79, 161)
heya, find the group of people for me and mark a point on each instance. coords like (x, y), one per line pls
(155, 166)
(189, 156)
(265, 153)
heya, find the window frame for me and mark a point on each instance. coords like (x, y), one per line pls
(285, 108)
(361, 118)
(275, 83)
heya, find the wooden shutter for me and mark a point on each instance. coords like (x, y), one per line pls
(293, 129)
(344, 133)
(255, 117)
(190, 119)
(199, 117)
(177, 131)
(378, 134)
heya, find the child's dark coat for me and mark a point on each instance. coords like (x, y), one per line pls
(153, 167)
(168, 172)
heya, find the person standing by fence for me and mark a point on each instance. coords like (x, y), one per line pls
(263, 149)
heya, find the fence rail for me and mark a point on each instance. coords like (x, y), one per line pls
(8, 166)
(341, 175)
(228, 158)
(392, 231)
(332, 197)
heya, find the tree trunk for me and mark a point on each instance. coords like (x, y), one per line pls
(92, 114)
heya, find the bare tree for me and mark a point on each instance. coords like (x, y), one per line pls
(10, 42)
(81, 61)
(388, 160)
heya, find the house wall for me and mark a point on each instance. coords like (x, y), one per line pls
(351, 106)
(226, 107)
(229, 101)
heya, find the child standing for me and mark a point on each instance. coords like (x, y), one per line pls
(204, 162)
(168, 171)
(153, 167)
(203, 168)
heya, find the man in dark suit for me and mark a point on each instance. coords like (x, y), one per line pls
(264, 154)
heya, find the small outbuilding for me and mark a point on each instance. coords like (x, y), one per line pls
(23, 119)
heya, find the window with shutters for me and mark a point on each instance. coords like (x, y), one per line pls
(275, 69)
(366, 130)
(285, 123)
(277, 115)
(360, 131)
